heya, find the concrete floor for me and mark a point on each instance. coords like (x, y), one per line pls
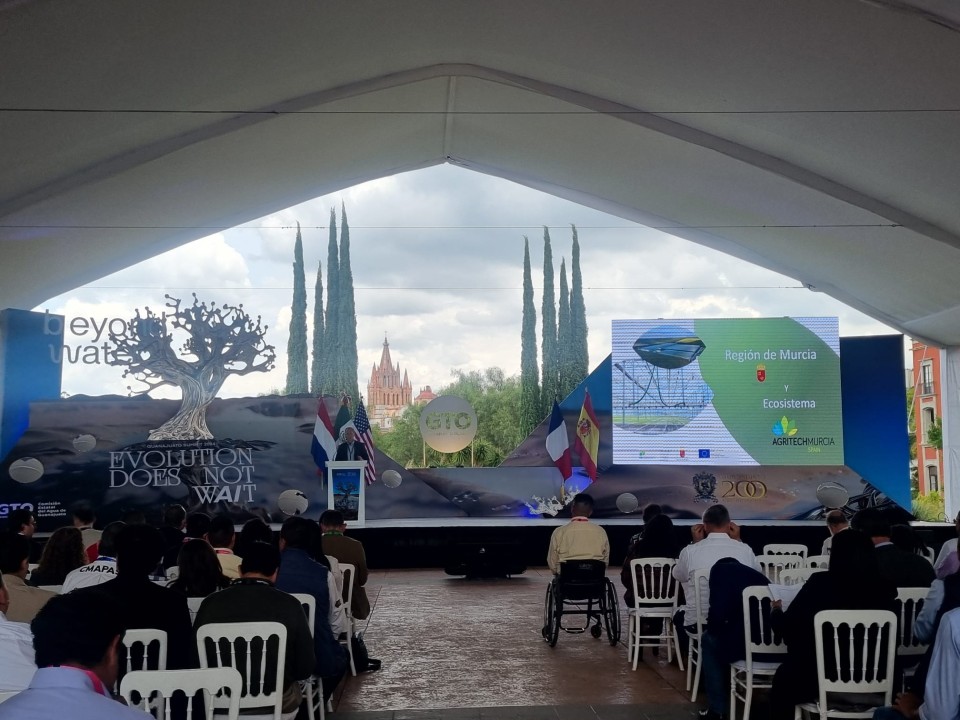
(456, 649)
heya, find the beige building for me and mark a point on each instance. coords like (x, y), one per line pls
(388, 391)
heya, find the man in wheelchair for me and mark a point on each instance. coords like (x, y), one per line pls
(578, 556)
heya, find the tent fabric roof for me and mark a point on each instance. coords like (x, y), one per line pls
(817, 139)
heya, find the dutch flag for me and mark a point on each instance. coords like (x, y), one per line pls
(324, 447)
(558, 444)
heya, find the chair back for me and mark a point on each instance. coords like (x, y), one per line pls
(257, 649)
(786, 549)
(349, 572)
(172, 572)
(653, 581)
(909, 604)
(758, 634)
(855, 653)
(193, 605)
(701, 597)
(773, 565)
(929, 554)
(797, 576)
(818, 561)
(582, 579)
(143, 649)
(220, 686)
(309, 604)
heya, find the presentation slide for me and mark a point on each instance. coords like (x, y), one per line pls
(756, 391)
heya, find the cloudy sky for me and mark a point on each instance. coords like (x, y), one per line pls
(437, 264)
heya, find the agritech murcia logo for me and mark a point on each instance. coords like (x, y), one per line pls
(784, 428)
(785, 433)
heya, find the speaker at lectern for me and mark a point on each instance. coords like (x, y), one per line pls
(346, 489)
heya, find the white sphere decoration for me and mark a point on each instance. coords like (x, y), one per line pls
(84, 443)
(292, 502)
(627, 503)
(832, 495)
(26, 470)
(391, 478)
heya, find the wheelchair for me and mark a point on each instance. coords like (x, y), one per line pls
(581, 588)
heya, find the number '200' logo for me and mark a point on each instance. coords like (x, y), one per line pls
(744, 489)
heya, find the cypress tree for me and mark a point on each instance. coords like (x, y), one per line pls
(549, 357)
(564, 341)
(331, 337)
(348, 314)
(316, 365)
(297, 342)
(529, 384)
(578, 317)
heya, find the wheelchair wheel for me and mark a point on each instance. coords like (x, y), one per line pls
(551, 616)
(612, 614)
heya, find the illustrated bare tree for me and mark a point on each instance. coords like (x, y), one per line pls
(217, 342)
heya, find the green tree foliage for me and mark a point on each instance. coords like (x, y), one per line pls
(567, 381)
(297, 342)
(347, 334)
(549, 351)
(529, 381)
(578, 316)
(935, 434)
(929, 507)
(331, 339)
(316, 365)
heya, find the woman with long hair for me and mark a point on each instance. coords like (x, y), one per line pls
(200, 571)
(658, 540)
(63, 553)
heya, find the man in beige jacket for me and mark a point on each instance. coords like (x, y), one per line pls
(25, 601)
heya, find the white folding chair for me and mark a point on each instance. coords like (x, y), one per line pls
(909, 649)
(701, 585)
(750, 673)
(193, 605)
(257, 650)
(786, 549)
(861, 668)
(655, 593)
(818, 561)
(349, 572)
(929, 554)
(797, 576)
(773, 565)
(154, 688)
(313, 687)
(172, 572)
(138, 653)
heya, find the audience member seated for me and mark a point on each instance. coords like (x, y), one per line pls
(346, 550)
(16, 649)
(200, 571)
(908, 540)
(104, 566)
(941, 701)
(174, 521)
(950, 546)
(22, 522)
(197, 526)
(76, 639)
(902, 568)
(649, 513)
(84, 519)
(253, 598)
(723, 639)
(579, 539)
(300, 573)
(253, 530)
(852, 582)
(836, 521)
(657, 540)
(222, 536)
(715, 538)
(25, 601)
(144, 604)
(339, 622)
(62, 554)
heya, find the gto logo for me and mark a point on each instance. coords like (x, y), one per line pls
(7, 508)
(448, 424)
(448, 420)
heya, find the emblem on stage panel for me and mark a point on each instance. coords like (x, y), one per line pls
(761, 372)
(705, 487)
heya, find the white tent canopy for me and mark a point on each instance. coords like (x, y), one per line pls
(817, 138)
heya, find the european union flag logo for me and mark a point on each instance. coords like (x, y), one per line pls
(703, 453)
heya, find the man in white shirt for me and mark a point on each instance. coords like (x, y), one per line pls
(717, 537)
(836, 521)
(102, 569)
(580, 539)
(16, 649)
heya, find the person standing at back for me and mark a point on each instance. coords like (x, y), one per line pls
(579, 539)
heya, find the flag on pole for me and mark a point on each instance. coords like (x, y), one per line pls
(362, 423)
(558, 444)
(323, 447)
(588, 437)
(343, 416)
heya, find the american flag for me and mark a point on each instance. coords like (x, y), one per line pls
(362, 423)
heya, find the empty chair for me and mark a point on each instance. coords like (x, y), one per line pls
(851, 643)
(153, 689)
(818, 561)
(909, 649)
(751, 673)
(797, 576)
(655, 593)
(143, 649)
(786, 549)
(773, 565)
(257, 650)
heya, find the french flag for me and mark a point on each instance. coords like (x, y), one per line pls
(323, 447)
(558, 444)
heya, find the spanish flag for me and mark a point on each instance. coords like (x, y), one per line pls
(588, 437)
